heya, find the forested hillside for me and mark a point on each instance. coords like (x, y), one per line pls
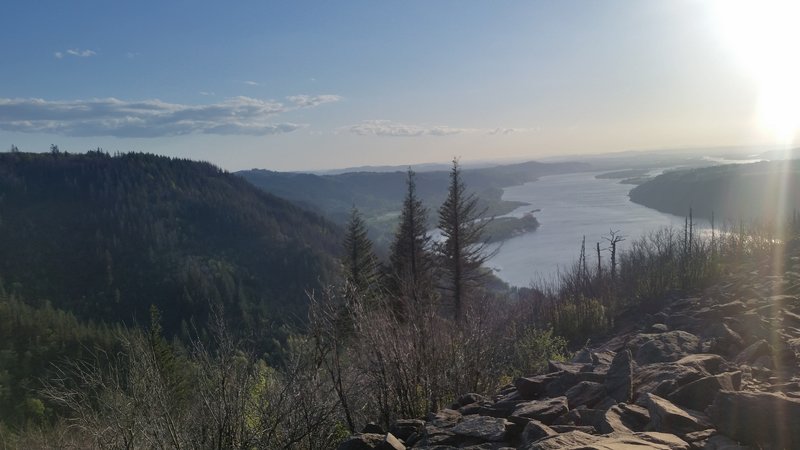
(767, 192)
(105, 237)
(378, 194)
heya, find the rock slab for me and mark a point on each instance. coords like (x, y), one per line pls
(757, 418)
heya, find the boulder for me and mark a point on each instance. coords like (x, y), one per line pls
(499, 409)
(614, 421)
(605, 403)
(602, 358)
(433, 436)
(446, 418)
(404, 428)
(664, 347)
(484, 446)
(481, 427)
(663, 378)
(567, 428)
(669, 440)
(502, 407)
(619, 383)
(533, 431)
(364, 441)
(562, 441)
(723, 337)
(565, 380)
(478, 408)
(699, 394)
(545, 411)
(752, 353)
(717, 312)
(669, 418)
(571, 367)
(391, 443)
(698, 439)
(585, 393)
(751, 327)
(757, 418)
(587, 417)
(638, 415)
(584, 441)
(468, 399)
(705, 363)
(534, 387)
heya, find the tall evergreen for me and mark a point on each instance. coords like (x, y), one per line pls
(359, 262)
(462, 250)
(411, 262)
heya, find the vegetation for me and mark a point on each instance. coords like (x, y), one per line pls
(379, 343)
(411, 259)
(213, 393)
(502, 228)
(462, 250)
(107, 237)
(31, 340)
(378, 194)
(623, 174)
(765, 192)
(588, 300)
(361, 266)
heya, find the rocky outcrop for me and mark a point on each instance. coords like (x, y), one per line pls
(716, 371)
(758, 418)
(619, 377)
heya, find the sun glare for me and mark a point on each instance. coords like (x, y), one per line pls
(765, 36)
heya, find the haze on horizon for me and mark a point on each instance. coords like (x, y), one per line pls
(315, 85)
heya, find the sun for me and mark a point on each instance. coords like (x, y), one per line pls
(764, 35)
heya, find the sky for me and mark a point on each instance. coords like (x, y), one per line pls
(294, 85)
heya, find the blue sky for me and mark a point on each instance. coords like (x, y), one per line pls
(306, 85)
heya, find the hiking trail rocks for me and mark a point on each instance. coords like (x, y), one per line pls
(715, 371)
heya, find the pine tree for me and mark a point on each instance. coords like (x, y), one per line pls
(463, 250)
(360, 263)
(411, 262)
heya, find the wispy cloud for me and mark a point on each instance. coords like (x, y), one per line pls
(151, 118)
(205, 93)
(504, 131)
(251, 83)
(397, 129)
(310, 101)
(85, 53)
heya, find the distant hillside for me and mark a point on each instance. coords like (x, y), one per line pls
(759, 191)
(105, 237)
(379, 194)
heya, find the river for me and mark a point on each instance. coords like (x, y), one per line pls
(571, 206)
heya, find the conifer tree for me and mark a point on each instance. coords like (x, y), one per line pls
(359, 262)
(411, 262)
(462, 250)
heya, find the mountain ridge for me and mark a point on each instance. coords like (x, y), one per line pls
(105, 237)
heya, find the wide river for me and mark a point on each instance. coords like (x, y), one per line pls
(571, 206)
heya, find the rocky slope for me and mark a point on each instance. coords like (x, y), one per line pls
(714, 371)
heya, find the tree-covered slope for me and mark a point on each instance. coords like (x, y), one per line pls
(381, 192)
(767, 192)
(106, 237)
(378, 195)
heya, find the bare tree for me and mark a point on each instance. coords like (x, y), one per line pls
(613, 238)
